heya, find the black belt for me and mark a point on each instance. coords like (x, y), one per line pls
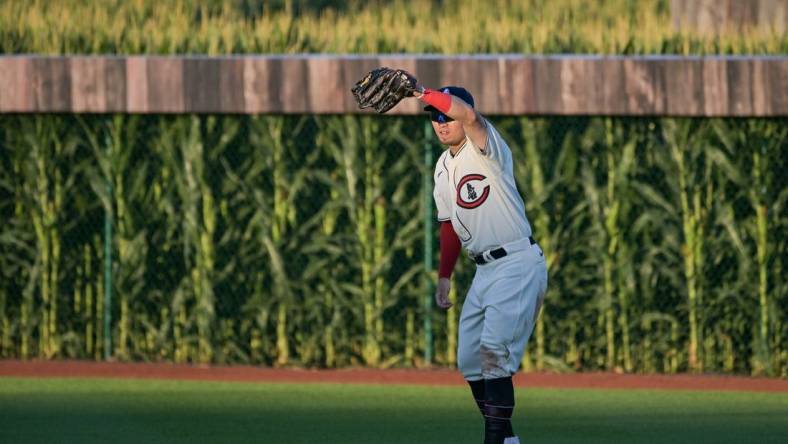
(495, 254)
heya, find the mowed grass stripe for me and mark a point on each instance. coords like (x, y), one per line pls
(156, 411)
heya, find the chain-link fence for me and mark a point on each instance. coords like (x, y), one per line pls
(300, 240)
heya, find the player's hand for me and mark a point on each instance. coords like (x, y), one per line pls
(442, 293)
(419, 90)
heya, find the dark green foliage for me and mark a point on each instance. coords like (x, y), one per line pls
(296, 240)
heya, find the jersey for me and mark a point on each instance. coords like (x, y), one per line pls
(476, 191)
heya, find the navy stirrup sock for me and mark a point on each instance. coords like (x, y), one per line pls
(498, 408)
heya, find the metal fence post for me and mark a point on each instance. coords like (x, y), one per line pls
(428, 236)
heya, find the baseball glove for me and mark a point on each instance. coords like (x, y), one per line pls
(383, 88)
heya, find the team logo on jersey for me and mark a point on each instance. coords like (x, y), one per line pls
(468, 194)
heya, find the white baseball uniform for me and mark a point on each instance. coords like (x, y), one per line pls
(476, 190)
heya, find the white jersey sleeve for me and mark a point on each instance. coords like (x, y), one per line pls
(442, 191)
(497, 148)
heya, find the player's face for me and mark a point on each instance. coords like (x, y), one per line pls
(449, 131)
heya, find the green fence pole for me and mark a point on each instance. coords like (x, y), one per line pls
(108, 270)
(428, 236)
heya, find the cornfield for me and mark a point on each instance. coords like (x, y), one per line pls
(217, 27)
(298, 240)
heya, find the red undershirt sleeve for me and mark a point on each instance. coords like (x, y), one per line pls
(450, 250)
(438, 100)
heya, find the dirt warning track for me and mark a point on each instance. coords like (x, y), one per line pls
(88, 369)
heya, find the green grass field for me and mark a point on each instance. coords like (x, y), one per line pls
(152, 411)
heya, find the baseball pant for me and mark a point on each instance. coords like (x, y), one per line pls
(500, 311)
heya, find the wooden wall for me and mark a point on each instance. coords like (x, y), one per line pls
(716, 16)
(504, 85)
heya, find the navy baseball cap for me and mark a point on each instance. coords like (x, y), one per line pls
(456, 91)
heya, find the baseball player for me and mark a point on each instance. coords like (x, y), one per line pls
(480, 208)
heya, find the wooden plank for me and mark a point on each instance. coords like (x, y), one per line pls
(51, 84)
(231, 85)
(778, 79)
(115, 81)
(612, 86)
(295, 90)
(165, 85)
(683, 80)
(429, 70)
(15, 88)
(255, 85)
(719, 16)
(201, 89)
(715, 87)
(88, 85)
(547, 85)
(739, 91)
(517, 92)
(137, 85)
(644, 87)
(761, 89)
(581, 85)
(487, 92)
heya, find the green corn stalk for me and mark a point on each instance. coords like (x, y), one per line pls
(17, 238)
(41, 220)
(757, 196)
(617, 185)
(364, 229)
(329, 225)
(46, 184)
(379, 249)
(357, 147)
(410, 333)
(610, 215)
(328, 336)
(539, 175)
(762, 141)
(205, 303)
(673, 357)
(6, 268)
(26, 312)
(499, 26)
(5, 326)
(606, 203)
(99, 316)
(88, 298)
(113, 142)
(274, 220)
(171, 191)
(349, 136)
(182, 349)
(77, 300)
(278, 227)
(187, 145)
(694, 185)
(728, 354)
(542, 226)
(625, 292)
(652, 324)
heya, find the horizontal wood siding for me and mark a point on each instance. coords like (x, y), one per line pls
(502, 85)
(719, 16)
